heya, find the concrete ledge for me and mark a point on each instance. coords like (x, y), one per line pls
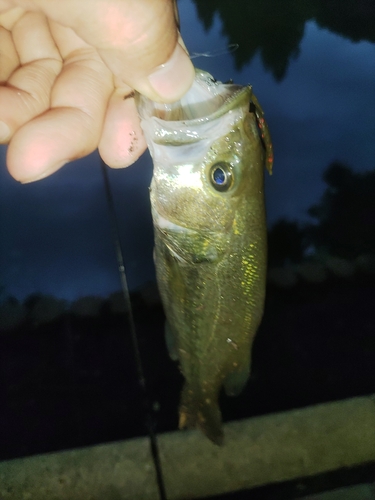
(257, 451)
(357, 492)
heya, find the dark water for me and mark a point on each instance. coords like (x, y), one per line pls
(71, 380)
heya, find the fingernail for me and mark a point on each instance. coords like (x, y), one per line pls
(4, 132)
(45, 173)
(172, 79)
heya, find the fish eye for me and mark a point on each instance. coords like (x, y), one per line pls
(221, 176)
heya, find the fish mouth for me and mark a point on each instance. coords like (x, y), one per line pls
(190, 119)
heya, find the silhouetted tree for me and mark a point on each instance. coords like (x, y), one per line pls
(346, 213)
(44, 309)
(354, 19)
(286, 242)
(275, 29)
(249, 24)
(12, 313)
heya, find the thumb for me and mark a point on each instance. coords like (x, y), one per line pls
(168, 82)
(145, 54)
(137, 40)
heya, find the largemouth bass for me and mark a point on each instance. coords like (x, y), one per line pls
(207, 199)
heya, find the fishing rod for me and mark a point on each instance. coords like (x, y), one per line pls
(147, 407)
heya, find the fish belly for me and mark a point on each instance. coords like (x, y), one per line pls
(211, 323)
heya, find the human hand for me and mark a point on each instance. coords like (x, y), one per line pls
(67, 73)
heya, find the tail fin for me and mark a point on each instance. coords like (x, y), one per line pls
(202, 412)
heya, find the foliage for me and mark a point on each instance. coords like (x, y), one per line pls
(286, 243)
(44, 309)
(346, 213)
(345, 221)
(353, 19)
(248, 23)
(12, 313)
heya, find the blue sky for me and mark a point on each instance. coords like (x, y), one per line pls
(55, 234)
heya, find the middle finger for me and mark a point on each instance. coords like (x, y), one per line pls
(28, 89)
(72, 126)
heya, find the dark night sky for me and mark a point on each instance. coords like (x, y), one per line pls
(55, 234)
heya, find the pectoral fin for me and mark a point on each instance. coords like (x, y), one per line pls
(236, 381)
(170, 340)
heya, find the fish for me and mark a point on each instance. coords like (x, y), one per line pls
(209, 151)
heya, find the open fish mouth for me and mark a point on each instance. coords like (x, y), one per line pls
(195, 117)
(206, 97)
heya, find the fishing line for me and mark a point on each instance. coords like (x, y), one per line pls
(147, 408)
(218, 52)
